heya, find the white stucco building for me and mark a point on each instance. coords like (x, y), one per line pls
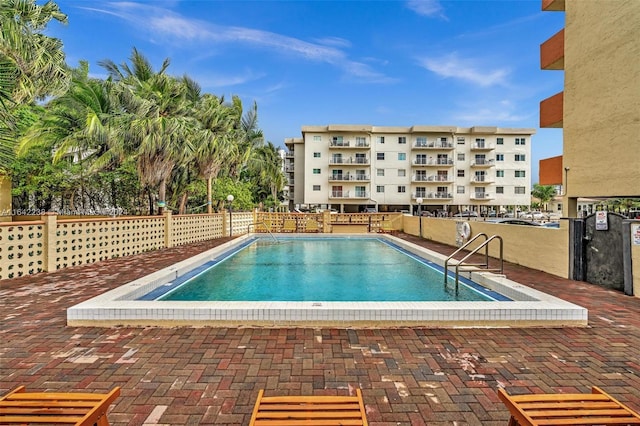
(351, 167)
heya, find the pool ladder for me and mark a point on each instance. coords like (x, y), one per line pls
(462, 264)
(266, 227)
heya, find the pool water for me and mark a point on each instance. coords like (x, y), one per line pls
(317, 269)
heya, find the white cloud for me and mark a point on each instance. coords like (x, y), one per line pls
(493, 111)
(431, 8)
(170, 27)
(450, 66)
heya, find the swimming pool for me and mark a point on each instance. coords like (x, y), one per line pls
(122, 306)
(320, 269)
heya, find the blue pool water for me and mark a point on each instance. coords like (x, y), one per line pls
(317, 269)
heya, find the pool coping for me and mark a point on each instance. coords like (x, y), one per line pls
(529, 308)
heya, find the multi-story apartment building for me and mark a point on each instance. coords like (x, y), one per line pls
(441, 168)
(599, 107)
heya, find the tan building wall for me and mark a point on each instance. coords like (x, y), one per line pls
(544, 249)
(602, 98)
(5, 199)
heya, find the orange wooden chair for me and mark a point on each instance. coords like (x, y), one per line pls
(86, 409)
(309, 410)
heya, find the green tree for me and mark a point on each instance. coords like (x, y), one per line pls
(32, 65)
(544, 193)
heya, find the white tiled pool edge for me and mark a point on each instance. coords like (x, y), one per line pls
(530, 307)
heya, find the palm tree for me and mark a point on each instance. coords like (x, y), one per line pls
(544, 193)
(32, 65)
(160, 123)
(247, 136)
(212, 141)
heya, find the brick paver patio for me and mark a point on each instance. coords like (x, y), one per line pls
(212, 375)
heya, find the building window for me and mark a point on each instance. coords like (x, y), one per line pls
(338, 141)
(460, 189)
(316, 155)
(402, 140)
(379, 172)
(380, 188)
(402, 172)
(499, 173)
(460, 173)
(380, 156)
(461, 156)
(520, 141)
(316, 187)
(380, 139)
(520, 173)
(444, 141)
(402, 156)
(402, 189)
(316, 171)
(421, 141)
(499, 157)
(317, 138)
(520, 157)
(460, 141)
(360, 141)
(499, 189)
(520, 190)
(500, 141)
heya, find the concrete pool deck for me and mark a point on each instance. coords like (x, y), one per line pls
(121, 306)
(409, 376)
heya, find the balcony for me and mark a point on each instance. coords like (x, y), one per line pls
(481, 196)
(349, 177)
(552, 52)
(432, 178)
(356, 161)
(349, 195)
(482, 146)
(289, 169)
(433, 162)
(482, 179)
(432, 145)
(487, 162)
(551, 111)
(349, 144)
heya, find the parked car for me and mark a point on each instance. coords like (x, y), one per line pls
(510, 221)
(533, 215)
(370, 210)
(466, 213)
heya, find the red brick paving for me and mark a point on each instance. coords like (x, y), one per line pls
(409, 376)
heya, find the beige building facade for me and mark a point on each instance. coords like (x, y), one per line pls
(599, 108)
(441, 169)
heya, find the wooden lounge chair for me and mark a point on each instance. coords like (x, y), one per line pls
(86, 409)
(595, 408)
(309, 410)
(289, 225)
(311, 225)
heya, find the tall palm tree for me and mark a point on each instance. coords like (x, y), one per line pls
(247, 136)
(158, 131)
(212, 141)
(32, 65)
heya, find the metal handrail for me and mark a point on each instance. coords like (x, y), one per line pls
(446, 262)
(265, 227)
(474, 251)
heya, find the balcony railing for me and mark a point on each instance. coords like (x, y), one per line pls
(482, 179)
(482, 146)
(349, 160)
(349, 177)
(432, 145)
(481, 196)
(487, 162)
(349, 194)
(348, 144)
(432, 195)
(433, 162)
(431, 178)
(289, 154)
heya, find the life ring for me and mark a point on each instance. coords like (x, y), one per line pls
(465, 231)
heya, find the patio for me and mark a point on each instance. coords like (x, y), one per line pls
(212, 375)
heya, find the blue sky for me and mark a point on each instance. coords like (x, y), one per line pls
(384, 63)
